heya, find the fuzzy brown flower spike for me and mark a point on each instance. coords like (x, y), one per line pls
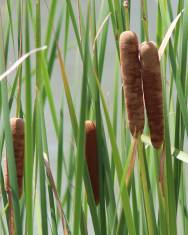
(132, 83)
(152, 85)
(17, 128)
(92, 157)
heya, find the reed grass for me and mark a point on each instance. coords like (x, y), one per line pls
(142, 190)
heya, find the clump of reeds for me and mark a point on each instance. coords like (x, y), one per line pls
(92, 157)
(17, 128)
(131, 76)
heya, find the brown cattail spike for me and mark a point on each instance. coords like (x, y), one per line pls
(152, 85)
(131, 76)
(92, 157)
(17, 128)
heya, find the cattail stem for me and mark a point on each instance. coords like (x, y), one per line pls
(11, 214)
(152, 227)
(145, 19)
(127, 15)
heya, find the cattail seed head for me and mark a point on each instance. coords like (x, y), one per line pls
(92, 157)
(17, 128)
(132, 83)
(152, 86)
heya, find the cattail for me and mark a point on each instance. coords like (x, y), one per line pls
(17, 128)
(152, 86)
(92, 157)
(132, 83)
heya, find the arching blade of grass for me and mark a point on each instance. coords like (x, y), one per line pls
(168, 35)
(20, 61)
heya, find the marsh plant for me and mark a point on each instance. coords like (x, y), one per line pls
(93, 117)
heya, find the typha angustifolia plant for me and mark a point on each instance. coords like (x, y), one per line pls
(91, 155)
(132, 84)
(152, 87)
(17, 129)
